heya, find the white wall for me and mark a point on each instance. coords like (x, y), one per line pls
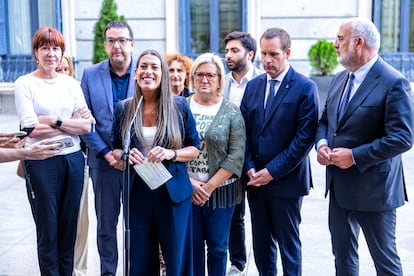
(146, 18)
(155, 24)
(307, 21)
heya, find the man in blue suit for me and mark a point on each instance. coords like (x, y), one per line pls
(281, 113)
(104, 85)
(240, 49)
(366, 125)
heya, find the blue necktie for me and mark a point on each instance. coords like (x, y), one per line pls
(270, 97)
(346, 96)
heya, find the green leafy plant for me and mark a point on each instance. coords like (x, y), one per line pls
(108, 13)
(323, 58)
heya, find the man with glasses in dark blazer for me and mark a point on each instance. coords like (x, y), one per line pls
(104, 85)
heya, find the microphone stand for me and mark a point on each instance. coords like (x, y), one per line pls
(125, 200)
(126, 194)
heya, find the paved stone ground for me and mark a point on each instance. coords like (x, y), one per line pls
(18, 239)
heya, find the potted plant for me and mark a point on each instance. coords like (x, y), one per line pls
(323, 59)
(108, 13)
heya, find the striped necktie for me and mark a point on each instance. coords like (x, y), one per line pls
(346, 97)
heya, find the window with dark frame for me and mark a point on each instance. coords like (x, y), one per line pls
(211, 21)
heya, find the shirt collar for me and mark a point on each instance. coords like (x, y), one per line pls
(128, 72)
(247, 77)
(280, 77)
(362, 72)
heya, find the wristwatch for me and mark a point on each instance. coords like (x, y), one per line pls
(58, 123)
(175, 155)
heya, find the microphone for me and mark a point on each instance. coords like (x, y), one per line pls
(125, 152)
(127, 141)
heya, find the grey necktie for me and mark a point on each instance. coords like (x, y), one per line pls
(346, 96)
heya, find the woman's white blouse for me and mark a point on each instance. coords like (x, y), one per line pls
(60, 96)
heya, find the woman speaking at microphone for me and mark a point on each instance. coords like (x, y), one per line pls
(162, 131)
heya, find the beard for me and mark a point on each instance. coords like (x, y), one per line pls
(239, 65)
(118, 60)
(348, 59)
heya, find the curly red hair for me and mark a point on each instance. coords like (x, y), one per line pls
(186, 61)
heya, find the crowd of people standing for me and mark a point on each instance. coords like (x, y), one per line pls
(208, 141)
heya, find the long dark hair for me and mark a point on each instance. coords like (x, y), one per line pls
(169, 122)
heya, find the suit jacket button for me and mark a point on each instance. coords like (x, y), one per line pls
(334, 134)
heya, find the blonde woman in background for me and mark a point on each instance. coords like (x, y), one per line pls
(80, 259)
(215, 172)
(66, 66)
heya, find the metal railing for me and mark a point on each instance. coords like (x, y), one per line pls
(12, 67)
(403, 62)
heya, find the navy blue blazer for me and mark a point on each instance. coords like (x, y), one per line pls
(97, 87)
(378, 126)
(179, 186)
(282, 142)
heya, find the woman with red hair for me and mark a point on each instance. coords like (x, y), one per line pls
(54, 105)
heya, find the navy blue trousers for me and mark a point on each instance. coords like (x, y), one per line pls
(107, 187)
(237, 239)
(54, 188)
(211, 227)
(275, 222)
(155, 219)
(379, 232)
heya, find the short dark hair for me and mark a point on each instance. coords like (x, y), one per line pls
(247, 41)
(119, 25)
(281, 34)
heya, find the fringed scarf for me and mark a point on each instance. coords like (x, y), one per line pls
(226, 196)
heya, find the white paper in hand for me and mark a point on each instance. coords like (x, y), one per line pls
(154, 174)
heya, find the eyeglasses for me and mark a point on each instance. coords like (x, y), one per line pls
(342, 38)
(200, 76)
(122, 41)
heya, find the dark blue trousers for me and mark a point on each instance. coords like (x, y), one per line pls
(379, 232)
(211, 227)
(155, 219)
(54, 188)
(237, 238)
(107, 187)
(275, 222)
